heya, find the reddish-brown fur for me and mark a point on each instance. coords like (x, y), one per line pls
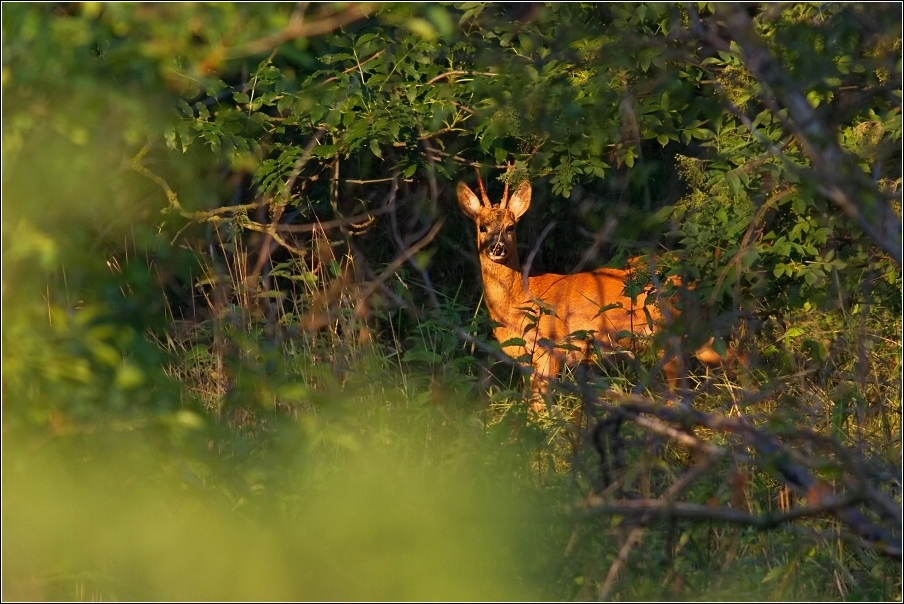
(591, 303)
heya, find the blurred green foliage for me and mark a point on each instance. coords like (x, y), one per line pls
(107, 516)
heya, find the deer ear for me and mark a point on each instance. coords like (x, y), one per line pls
(520, 200)
(469, 203)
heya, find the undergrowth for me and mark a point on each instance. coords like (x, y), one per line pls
(350, 395)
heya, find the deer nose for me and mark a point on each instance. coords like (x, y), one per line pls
(498, 250)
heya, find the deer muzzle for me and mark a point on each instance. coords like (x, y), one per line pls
(497, 250)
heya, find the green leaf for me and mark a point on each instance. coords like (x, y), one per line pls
(720, 346)
(169, 135)
(793, 332)
(421, 355)
(362, 40)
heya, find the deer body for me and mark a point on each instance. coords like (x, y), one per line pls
(544, 312)
(556, 306)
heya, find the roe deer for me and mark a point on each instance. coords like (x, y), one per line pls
(554, 319)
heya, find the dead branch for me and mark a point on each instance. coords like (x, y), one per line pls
(771, 455)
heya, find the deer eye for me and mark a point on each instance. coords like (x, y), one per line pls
(482, 229)
(510, 228)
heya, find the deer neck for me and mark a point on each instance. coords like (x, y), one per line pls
(503, 288)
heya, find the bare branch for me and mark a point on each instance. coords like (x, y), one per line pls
(644, 510)
(299, 28)
(774, 456)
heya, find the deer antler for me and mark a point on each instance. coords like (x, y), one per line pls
(505, 196)
(483, 192)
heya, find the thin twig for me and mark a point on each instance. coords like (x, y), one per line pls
(456, 72)
(395, 265)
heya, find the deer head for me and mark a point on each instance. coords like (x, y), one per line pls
(496, 224)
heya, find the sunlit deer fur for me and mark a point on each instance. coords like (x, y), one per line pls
(593, 303)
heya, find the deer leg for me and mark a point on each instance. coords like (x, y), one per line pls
(707, 354)
(546, 368)
(730, 362)
(673, 366)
